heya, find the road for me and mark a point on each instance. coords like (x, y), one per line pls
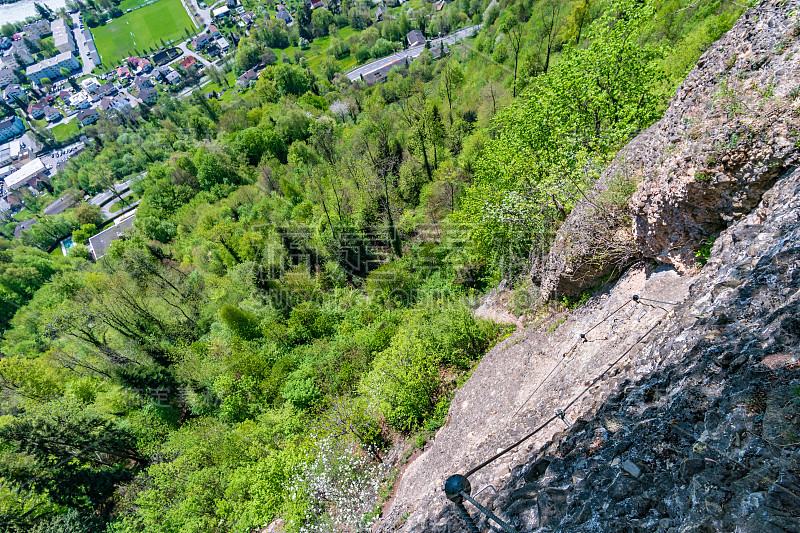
(88, 64)
(104, 197)
(186, 4)
(411, 53)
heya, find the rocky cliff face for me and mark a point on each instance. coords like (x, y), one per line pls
(730, 131)
(697, 425)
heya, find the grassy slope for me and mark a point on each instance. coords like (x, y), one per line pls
(166, 19)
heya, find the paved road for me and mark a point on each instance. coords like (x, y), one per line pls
(104, 197)
(186, 4)
(88, 64)
(205, 14)
(411, 53)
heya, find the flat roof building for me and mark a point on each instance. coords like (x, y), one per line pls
(51, 68)
(29, 174)
(63, 37)
(98, 244)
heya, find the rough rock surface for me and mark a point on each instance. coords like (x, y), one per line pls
(696, 429)
(729, 133)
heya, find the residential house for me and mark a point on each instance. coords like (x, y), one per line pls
(123, 73)
(142, 82)
(246, 78)
(314, 4)
(379, 12)
(5, 43)
(105, 103)
(63, 37)
(161, 72)
(21, 49)
(148, 95)
(90, 84)
(7, 77)
(88, 116)
(189, 62)
(165, 56)
(201, 41)
(220, 12)
(283, 14)
(11, 127)
(64, 95)
(223, 44)
(213, 31)
(173, 77)
(12, 93)
(51, 68)
(140, 64)
(107, 89)
(37, 30)
(51, 114)
(415, 38)
(231, 4)
(121, 103)
(213, 50)
(36, 109)
(30, 175)
(98, 244)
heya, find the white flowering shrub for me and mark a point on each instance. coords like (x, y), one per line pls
(343, 487)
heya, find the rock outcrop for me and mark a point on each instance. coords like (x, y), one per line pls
(729, 133)
(695, 424)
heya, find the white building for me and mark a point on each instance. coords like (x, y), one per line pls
(51, 68)
(30, 174)
(220, 12)
(62, 36)
(10, 127)
(9, 152)
(80, 100)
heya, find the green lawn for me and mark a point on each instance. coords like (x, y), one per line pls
(125, 202)
(164, 20)
(66, 131)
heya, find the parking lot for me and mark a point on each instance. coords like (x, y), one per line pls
(57, 159)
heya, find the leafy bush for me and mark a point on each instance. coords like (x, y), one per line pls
(406, 378)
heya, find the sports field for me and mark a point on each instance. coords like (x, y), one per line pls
(141, 29)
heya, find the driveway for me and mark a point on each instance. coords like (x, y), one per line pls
(106, 209)
(189, 52)
(411, 53)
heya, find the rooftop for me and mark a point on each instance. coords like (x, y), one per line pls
(24, 174)
(99, 243)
